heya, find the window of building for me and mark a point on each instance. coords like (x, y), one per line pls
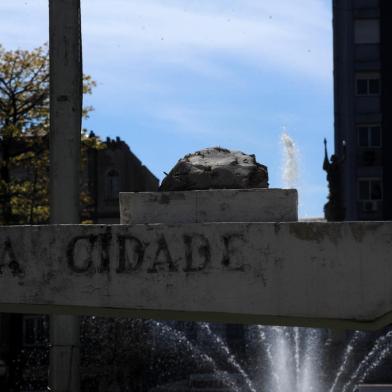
(35, 331)
(370, 189)
(112, 185)
(369, 135)
(367, 31)
(368, 84)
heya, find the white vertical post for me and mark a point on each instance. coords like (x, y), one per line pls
(65, 127)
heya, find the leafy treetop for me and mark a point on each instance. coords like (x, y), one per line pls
(24, 142)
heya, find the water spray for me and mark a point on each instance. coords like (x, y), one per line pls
(290, 167)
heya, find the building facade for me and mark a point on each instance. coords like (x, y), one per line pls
(362, 92)
(363, 120)
(112, 170)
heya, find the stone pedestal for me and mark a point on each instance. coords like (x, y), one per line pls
(207, 206)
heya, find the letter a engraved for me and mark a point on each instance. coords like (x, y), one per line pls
(88, 261)
(9, 254)
(162, 258)
(127, 262)
(203, 251)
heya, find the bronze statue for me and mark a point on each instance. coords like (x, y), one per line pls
(334, 209)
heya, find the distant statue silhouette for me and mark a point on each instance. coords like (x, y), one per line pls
(334, 209)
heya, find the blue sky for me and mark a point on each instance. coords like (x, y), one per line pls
(175, 76)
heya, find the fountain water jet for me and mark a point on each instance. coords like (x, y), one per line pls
(381, 357)
(368, 360)
(264, 338)
(311, 361)
(346, 356)
(290, 166)
(230, 358)
(182, 339)
(297, 356)
(283, 358)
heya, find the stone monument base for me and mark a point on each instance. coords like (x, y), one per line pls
(215, 205)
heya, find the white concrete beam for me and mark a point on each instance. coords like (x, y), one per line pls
(311, 274)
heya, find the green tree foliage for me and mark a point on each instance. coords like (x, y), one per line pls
(24, 140)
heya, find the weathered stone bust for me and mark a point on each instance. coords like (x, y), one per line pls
(216, 168)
